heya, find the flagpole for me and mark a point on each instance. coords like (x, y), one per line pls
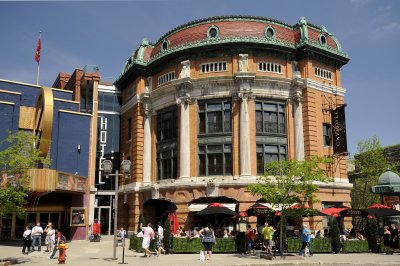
(38, 60)
(37, 76)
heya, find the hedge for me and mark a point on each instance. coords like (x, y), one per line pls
(227, 245)
(187, 245)
(318, 245)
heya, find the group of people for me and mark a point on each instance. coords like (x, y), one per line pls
(391, 237)
(267, 233)
(54, 240)
(152, 237)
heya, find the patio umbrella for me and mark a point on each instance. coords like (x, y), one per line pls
(379, 210)
(334, 211)
(216, 208)
(307, 211)
(258, 209)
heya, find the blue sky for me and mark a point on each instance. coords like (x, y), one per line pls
(105, 34)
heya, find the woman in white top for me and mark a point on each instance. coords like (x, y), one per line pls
(27, 240)
(51, 234)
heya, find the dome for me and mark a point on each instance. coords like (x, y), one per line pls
(389, 178)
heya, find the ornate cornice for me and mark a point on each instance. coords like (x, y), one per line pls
(309, 83)
(132, 102)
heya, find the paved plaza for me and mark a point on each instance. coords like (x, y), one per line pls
(97, 254)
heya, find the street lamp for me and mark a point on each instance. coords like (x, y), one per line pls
(126, 170)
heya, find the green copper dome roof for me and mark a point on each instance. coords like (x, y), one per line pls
(389, 178)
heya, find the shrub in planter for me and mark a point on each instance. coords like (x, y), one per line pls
(167, 241)
(135, 243)
(187, 245)
(355, 246)
(371, 232)
(318, 245)
(335, 236)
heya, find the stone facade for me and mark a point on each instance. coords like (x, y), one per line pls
(243, 66)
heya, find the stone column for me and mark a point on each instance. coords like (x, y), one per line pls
(146, 138)
(184, 141)
(244, 79)
(298, 128)
(244, 133)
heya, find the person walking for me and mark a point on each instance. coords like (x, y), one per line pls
(48, 228)
(306, 238)
(160, 239)
(207, 233)
(267, 233)
(37, 232)
(148, 235)
(61, 246)
(27, 240)
(394, 237)
(386, 237)
(122, 235)
(250, 235)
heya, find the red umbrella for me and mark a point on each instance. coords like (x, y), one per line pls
(379, 210)
(174, 223)
(333, 211)
(380, 206)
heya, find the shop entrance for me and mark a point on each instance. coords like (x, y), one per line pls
(104, 212)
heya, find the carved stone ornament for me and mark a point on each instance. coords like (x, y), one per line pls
(185, 71)
(243, 62)
(244, 95)
(183, 92)
(146, 103)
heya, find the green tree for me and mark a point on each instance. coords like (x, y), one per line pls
(17, 157)
(369, 163)
(287, 182)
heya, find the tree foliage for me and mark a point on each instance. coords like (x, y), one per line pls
(17, 156)
(287, 182)
(369, 163)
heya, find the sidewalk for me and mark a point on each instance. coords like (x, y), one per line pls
(85, 253)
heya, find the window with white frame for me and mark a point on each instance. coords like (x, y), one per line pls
(213, 67)
(166, 78)
(322, 73)
(270, 67)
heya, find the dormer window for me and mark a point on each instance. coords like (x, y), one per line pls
(213, 32)
(269, 32)
(165, 45)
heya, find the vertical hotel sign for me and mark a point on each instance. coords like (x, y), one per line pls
(339, 130)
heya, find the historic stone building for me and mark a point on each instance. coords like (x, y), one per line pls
(212, 100)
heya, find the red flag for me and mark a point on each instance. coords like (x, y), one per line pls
(39, 46)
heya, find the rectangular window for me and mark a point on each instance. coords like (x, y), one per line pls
(268, 153)
(322, 73)
(167, 164)
(129, 128)
(327, 134)
(270, 118)
(215, 117)
(167, 124)
(270, 67)
(166, 78)
(213, 67)
(215, 159)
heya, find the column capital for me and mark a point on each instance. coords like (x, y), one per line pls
(183, 91)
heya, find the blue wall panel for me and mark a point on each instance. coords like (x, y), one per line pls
(6, 122)
(66, 106)
(29, 93)
(65, 95)
(73, 130)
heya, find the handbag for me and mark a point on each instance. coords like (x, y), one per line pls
(202, 257)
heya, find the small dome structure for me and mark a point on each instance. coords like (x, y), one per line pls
(389, 178)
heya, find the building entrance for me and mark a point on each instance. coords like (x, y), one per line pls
(104, 212)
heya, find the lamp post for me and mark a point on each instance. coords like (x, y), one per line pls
(107, 169)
